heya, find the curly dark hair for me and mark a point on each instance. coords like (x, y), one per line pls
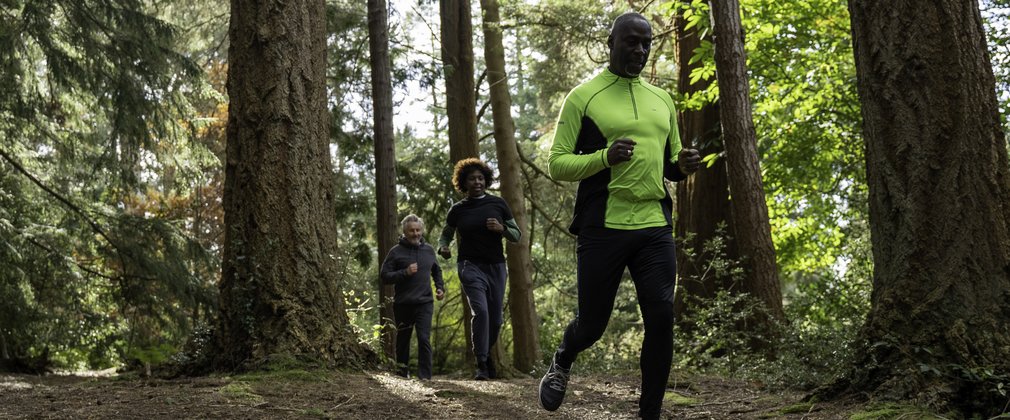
(465, 167)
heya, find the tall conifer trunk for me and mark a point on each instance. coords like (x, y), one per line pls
(280, 283)
(752, 230)
(460, 100)
(385, 160)
(939, 182)
(703, 198)
(525, 326)
(460, 88)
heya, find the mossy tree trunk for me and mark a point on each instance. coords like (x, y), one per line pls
(939, 183)
(280, 285)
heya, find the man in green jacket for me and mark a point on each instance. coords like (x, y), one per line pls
(617, 136)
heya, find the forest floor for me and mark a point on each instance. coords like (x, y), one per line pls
(380, 395)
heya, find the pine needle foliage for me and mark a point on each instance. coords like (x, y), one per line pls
(96, 257)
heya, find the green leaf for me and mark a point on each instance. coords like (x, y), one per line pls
(709, 160)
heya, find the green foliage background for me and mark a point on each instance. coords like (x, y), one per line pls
(112, 120)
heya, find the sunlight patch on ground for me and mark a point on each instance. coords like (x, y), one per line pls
(524, 408)
(432, 402)
(409, 389)
(442, 398)
(105, 373)
(10, 383)
(487, 387)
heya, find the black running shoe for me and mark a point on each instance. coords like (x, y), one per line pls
(553, 386)
(492, 371)
(481, 374)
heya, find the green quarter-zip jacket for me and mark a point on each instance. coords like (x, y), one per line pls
(632, 194)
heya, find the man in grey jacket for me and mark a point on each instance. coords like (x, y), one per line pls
(410, 266)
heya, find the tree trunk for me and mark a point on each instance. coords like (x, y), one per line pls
(460, 101)
(750, 212)
(525, 326)
(460, 88)
(939, 183)
(703, 198)
(280, 283)
(385, 160)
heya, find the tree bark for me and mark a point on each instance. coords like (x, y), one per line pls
(385, 160)
(525, 326)
(750, 212)
(703, 198)
(939, 183)
(460, 88)
(280, 283)
(460, 101)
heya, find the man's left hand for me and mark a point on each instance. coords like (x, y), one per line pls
(689, 161)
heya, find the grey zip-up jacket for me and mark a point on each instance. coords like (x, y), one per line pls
(414, 288)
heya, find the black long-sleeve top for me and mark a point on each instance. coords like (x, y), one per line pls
(412, 288)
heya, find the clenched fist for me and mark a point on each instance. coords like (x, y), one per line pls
(689, 161)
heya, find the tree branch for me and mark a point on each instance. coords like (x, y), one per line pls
(485, 137)
(91, 222)
(483, 109)
(78, 264)
(536, 168)
(549, 218)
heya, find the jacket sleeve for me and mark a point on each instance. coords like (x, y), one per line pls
(563, 163)
(436, 275)
(671, 169)
(512, 232)
(388, 272)
(448, 232)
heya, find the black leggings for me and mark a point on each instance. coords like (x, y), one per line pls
(651, 259)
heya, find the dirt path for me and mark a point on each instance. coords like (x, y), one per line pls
(379, 395)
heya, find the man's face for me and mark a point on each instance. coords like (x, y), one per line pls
(412, 232)
(630, 43)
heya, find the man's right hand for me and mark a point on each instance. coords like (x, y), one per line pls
(444, 252)
(621, 150)
(412, 269)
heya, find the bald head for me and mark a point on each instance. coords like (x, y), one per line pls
(630, 42)
(626, 17)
